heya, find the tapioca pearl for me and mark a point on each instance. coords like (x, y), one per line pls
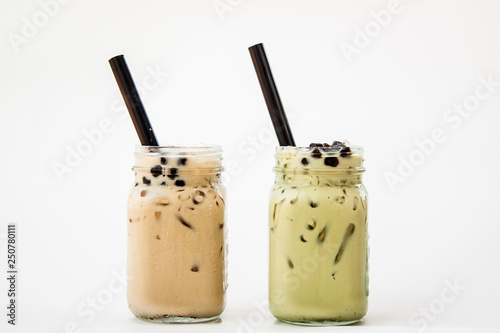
(180, 183)
(338, 144)
(340, 200)
(355, 203)
(316, 153)
(164, 160)
(163, 183)
(322, 235)
(211, 194)
(172, 173)
(182, 161)
(311, 224)
(184, 222)
(143, 193)
(194, 268)
(331, 161)
(304, 161)
(198, 197)
(276, 212)
(313, 204)
(184, 196)
(156, 170)
(146, 181)
(164, 202)
(345, 152)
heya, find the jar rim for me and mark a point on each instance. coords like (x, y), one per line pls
(358, 150)
(179, 150)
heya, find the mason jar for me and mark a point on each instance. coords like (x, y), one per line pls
(318, 236)
(177, 235)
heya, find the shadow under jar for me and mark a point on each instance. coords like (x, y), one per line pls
(177, 235)
(318, 237)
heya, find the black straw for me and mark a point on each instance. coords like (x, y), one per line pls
(133, 101)
(271, 95)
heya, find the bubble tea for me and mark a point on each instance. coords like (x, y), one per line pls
(318, 236)
(177, 235)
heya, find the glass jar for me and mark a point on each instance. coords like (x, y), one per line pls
(318, 237)
(177, 235)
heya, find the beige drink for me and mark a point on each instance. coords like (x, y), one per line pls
(177, 235)
(318, 236)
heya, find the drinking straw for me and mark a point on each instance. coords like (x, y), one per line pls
(133, 101)
(271, 95)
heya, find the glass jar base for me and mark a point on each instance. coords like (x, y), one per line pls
(320, 323)
(178, 320)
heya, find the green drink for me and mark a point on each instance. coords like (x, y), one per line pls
(318, 236)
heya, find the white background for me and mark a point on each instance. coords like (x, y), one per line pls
(440, 223)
